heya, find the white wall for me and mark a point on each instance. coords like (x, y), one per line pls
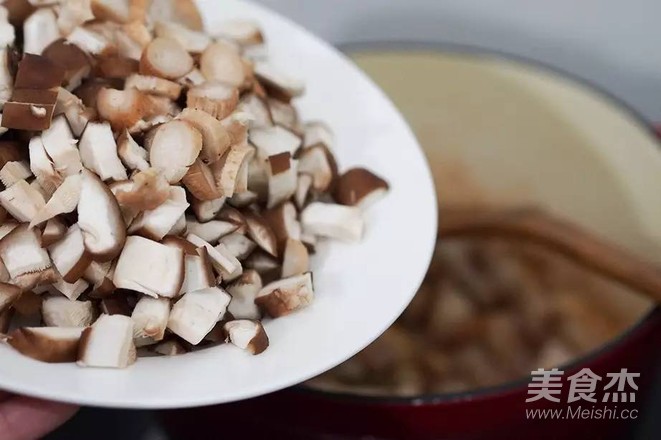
(614, 43)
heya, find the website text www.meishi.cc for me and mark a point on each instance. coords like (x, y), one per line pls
(581, 413)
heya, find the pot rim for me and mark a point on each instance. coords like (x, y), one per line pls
(652, 317)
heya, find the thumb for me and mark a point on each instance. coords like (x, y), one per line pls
(25, 418)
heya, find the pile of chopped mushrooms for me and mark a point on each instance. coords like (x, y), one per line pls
(159, 191)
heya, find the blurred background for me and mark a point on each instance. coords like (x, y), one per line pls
(610, 43)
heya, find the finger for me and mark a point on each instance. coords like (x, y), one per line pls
(25, 418)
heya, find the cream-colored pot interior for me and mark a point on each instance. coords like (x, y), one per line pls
(504, 132)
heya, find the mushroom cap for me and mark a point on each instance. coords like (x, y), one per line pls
(47, 344)
(248, 335)
(359, 187)
(285, 296)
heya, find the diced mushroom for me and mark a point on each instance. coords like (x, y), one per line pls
(215, 138)
(22, 254)
(8, 294)
(165, 58)
(70, 290)
(7, 31)
(58, 311)
(115, 305)
(279, 84)
(232, 215)
(150, 318)
(132, 155)
(192, 41)
(199, 271)
(70, 256)
(207, 210)
(196, 313)
(115, 67)
(13, 171)
(71, 59)
(91, 42)
(5, 321)
(284, 223)
(192, 78)
(36, 72)
(39, 30)
(179, 11)
(108, 343)
(248, 335)
(243, 199)
(258, 177)
(165, 273)
(303, 186)
(221, 259)
(153, 85)
(266, 265)
(148, 190)
(258, 109)
(35, 279)
(210, 231)
(122, 108)
(244, 291)
(229, 266)
(333, 221)
(274, 140)
(131, 40)
(22, 201)
(318, 162)
(53, 231)
(72, 14)
(282, 174)
(285, 296)
(96, 272)
(244, 32)
(238, 245)
(216, 98)
(156, 224)
(113, 10)
(359, 187)
(174, 148)
(74, 110)
(261, 233)
(100, 275)
(28, 305)
(100, 219)
(63, 201)
(283, 114)
(221, 62)
(7, 227)
(42, 167)
(201, 183)
(29, 109)
(6, 78)
(179, 227)
(47, 344)
(60, 145)
(296, 260)
(226, 170)
(170, 348)
(318, 133)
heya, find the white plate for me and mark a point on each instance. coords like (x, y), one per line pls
(360, 288)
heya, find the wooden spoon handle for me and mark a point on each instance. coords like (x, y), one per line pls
(560, 236)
